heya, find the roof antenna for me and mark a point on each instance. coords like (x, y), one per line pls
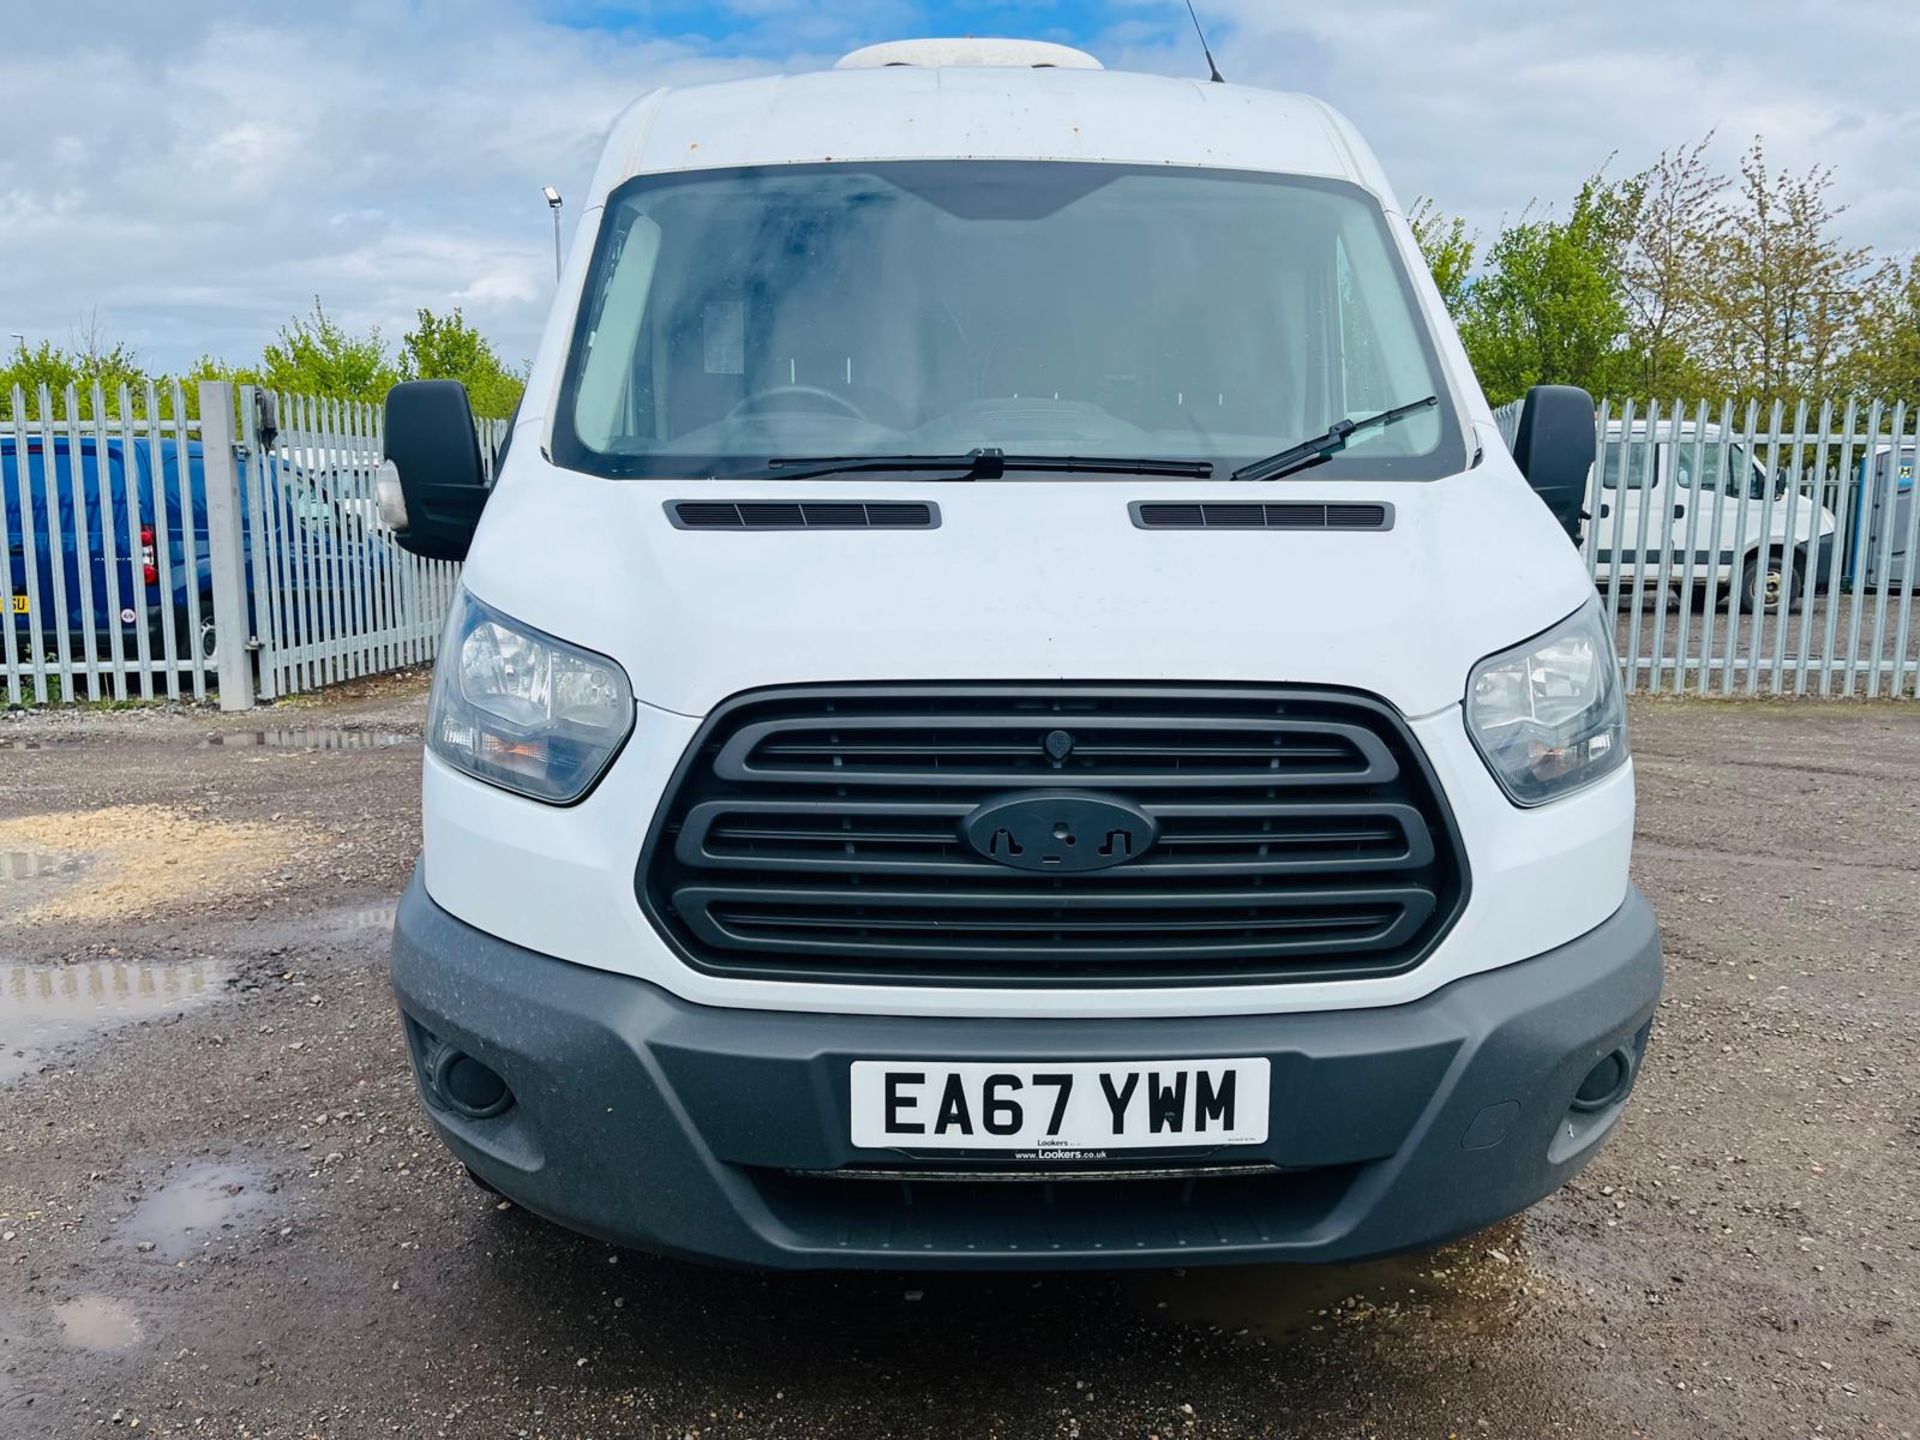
(1213, 70)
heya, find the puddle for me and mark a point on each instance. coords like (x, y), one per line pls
(196, 1208)
(21, 865)
(348, 922)
(1466, 1284)
(333, 739)
(137, 858)
(43, 1007)
(361, 923)
(34, 877)
(95, 1322)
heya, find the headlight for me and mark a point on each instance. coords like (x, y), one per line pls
(523, 710)
(1547, 716)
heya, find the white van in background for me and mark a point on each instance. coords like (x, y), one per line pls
(1008, 706)
(1702, 504)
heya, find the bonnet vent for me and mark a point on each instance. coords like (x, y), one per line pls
(1283, 515)
(803, 514)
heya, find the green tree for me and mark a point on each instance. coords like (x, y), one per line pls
(1448, 247)
(446, 347)
(84, 365)
(1788, 297)
(1551, 307)
(1668, 272)
(1885, 362)
(316, 356)
(312, 355)
(208, 367)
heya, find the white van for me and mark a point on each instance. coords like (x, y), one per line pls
(1009, 706)
(1730, 529)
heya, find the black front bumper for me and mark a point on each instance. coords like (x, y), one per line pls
(715, 1133)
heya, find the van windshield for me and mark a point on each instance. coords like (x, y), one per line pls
(733, 317)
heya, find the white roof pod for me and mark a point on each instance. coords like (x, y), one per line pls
(933, 54)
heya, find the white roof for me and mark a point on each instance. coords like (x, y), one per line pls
(916, 112)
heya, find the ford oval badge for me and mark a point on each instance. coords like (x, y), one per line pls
(1060, 831)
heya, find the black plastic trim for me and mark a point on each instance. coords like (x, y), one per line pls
(1337, 515)
(721, 913)
(748, 515)
(645, 1119)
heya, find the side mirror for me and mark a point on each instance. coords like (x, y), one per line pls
(433, 485)
(1554, 450)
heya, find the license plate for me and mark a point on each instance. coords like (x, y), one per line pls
(1090, 1107)
(19, 603)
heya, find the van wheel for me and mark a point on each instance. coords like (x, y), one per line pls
(1767, 587)
(192, 644)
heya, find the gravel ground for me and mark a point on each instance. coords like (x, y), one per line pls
(221, 1213)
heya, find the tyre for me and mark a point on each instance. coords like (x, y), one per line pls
(1767, 588)
(191, 643)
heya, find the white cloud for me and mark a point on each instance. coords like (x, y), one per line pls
(1488, 105)
(199, 181)
(198, 171)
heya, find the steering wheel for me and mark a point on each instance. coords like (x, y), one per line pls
(757, 400)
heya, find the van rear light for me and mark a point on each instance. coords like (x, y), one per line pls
(149, 572)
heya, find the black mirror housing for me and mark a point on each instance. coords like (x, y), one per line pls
(432, 442)
(1554, 449)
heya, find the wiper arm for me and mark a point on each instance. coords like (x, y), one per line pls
(986, 464)
(1324, 446)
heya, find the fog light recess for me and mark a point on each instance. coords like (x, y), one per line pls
(1606, 1083)
(467, 1086)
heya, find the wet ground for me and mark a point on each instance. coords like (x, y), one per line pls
(221, 1213)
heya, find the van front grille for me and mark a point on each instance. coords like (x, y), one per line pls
(821, 833)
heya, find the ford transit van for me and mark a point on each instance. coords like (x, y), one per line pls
(1725, 521)
(1008, 706)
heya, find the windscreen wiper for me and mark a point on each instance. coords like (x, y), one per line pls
(985, 464)
(1326, 445)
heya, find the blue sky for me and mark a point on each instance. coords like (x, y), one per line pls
(189, 175)
(768, 27)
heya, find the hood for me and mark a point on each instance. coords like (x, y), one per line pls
(1028, 580)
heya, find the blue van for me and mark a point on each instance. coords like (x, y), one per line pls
(160, 573)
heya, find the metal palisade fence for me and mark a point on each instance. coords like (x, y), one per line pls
(159, 549)
(332, 595)
(155, 553)
(1751, 551)
(107, 547)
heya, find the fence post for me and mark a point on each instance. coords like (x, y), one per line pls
(225, 546)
